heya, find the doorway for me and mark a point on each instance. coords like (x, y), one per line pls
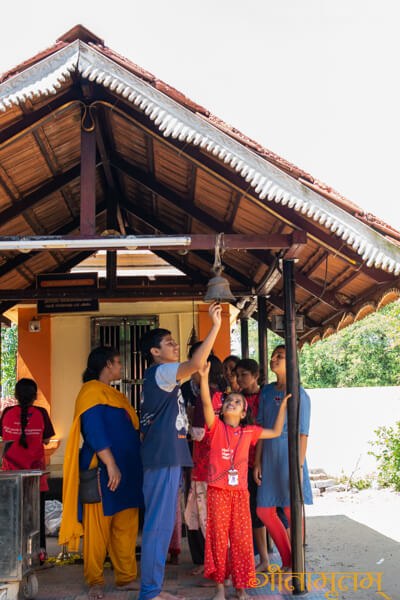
(124, 334)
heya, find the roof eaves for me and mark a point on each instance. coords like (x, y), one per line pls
(41, 78)
(173, 118)
(32, 61)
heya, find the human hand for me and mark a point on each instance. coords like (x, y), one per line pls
(285, 399)
(257, 474)
(204, 370)
(215, 312)
(114, 476)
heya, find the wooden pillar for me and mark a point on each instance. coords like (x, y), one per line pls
(111, 269)
(111, 260)
(293, 387)
(88, 182)
(244, 337)
(262, 338)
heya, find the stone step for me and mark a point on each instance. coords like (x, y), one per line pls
(323, 484)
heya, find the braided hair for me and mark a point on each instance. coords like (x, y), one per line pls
(25, 393)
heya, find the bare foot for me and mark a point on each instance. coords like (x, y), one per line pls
(168, 596)
(241, 594)
(263, 566)
(96, 592)
(220, 595)
(198, 570)
(131, 585)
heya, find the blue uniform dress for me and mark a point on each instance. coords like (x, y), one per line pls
(164, 426)
(108, 427)
(274, 490)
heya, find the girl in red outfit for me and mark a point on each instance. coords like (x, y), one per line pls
(29, 427)
(228, 510)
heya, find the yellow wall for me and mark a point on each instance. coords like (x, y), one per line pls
(70, 345)
(60, 357)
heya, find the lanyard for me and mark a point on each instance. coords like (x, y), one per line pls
(229, 446)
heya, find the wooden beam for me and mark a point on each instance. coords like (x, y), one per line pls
(231, 178)
(143, 290)
(236, 275)
(20, 259)
(52, 108)
(88, 183)
(272, 242)
(30, 200)
(319, 292)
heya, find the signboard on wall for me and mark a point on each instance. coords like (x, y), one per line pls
(59, 302)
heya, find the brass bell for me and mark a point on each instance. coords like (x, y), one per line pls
(218, 289)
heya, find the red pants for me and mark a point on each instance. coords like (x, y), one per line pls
(272, 522)
(228, 519)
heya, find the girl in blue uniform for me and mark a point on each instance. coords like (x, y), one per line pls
(271, 470)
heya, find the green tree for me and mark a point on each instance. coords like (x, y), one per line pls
(9, 345)
(366, 353)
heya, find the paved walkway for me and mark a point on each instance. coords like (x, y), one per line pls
(66, 583)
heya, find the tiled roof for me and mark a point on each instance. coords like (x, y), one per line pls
(80, 32)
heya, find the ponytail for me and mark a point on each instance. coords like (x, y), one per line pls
(97, 361)
(25, 393)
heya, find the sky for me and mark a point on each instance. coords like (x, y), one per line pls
(315, 81)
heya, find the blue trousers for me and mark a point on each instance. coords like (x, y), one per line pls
(160, 491)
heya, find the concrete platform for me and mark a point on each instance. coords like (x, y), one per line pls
(65, 582)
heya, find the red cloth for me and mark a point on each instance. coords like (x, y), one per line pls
(228, 518)
(38, 428)
(253, 402)
(276, 528)
(227, 442)
(201, 450)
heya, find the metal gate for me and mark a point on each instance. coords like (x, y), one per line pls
(124, 333)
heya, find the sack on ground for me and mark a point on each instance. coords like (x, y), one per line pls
(89, 486)
(52, 517)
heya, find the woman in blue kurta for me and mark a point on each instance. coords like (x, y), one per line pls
(109, 427)
(271, 469)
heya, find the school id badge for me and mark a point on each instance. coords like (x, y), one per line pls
(233, 477)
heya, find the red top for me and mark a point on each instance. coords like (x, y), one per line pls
(201, 449)
(253, 401)
(227, 443)
(38, 428)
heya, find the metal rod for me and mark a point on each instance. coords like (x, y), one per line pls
(244, 337)
(131, 242)
(293, 387)
(262, 338)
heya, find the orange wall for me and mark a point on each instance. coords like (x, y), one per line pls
(34, 354)
(222, 346)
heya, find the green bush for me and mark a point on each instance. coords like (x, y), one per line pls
(386, 449)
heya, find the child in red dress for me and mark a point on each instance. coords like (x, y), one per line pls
(228, 510)
(29, 427)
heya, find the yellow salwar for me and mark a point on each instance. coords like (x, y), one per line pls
(115, 535)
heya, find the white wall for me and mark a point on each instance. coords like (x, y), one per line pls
(343, 421)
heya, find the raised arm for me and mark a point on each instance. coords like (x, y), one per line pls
(208, 409)
(199, 358)
(279, 422)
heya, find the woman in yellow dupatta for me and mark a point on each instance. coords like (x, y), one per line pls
(109, 427)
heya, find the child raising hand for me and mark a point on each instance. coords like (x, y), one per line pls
(228, 510)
